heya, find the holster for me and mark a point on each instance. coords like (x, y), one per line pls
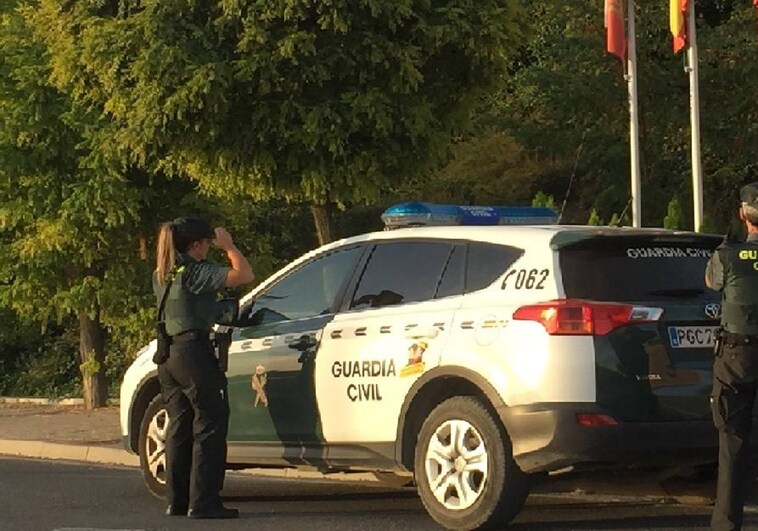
(221, 343)
(163, 343)
(718, 347)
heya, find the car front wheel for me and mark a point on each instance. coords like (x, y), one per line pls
(152, 447)
(464, 467)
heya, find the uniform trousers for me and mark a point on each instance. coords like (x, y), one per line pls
(195, 393)
(735, 375)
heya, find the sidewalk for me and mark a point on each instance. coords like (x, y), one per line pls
(53, 431)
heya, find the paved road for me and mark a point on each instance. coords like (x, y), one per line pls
(52, 495)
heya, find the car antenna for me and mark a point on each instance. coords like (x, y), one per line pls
(571, 179)
(621, 216)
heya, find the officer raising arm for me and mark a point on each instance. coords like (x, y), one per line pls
(193, 386)
(733, 270)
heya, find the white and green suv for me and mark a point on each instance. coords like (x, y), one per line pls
(469, 351)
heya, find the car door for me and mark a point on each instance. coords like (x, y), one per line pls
(394, 326)
(272, 356)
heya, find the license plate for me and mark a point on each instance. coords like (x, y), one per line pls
(692, 336)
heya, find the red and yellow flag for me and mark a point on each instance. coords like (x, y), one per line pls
(678, 22)
(614, 25)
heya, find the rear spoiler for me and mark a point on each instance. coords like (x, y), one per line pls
(610, 236)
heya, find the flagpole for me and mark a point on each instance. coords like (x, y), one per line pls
(692, 69)
(634, 133)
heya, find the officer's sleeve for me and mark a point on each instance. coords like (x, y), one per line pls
(714, 272)
(205, 277)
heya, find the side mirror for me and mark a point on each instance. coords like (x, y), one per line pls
(227, 312)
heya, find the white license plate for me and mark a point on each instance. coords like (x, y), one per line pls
(693, 336)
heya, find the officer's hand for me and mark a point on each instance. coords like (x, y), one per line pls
(223, 239)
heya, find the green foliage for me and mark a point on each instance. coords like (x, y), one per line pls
(543, 200)
(34, 364)
(673, 217)
(317, 101)
(594, 219)
(565, 92)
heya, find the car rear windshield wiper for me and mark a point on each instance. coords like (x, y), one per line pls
(684, 293)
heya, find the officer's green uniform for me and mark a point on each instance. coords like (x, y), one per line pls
(194, 389)
(733, 270)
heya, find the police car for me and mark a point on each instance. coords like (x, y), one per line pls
(472, 347)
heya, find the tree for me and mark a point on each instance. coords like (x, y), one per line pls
(327, 101)
(75, 223)
(563, 87)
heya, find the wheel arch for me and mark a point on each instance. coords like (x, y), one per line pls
(433, 388)
(148, 389)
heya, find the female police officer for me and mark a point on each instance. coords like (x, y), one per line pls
(192, 385)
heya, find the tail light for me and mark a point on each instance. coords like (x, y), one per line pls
(585, 318)
(593, 420)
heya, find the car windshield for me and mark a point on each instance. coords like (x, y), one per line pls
(634, 269)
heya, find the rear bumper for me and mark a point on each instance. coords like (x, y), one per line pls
(547, 437)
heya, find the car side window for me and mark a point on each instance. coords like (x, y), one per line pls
(453, 277)
(401, 272)
(486, 262)
(308, 291)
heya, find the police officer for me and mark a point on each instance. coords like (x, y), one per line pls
(733, 270)
(193, 387)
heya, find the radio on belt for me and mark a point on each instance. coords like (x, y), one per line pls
(430, 214)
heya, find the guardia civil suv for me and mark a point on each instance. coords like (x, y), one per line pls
(471, 347)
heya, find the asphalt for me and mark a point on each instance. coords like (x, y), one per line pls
(66, 431)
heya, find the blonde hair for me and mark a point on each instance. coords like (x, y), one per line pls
(166, 253)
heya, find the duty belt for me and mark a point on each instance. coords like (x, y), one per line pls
(738, 339)
(192, 335)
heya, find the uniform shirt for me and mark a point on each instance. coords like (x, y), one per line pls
(714, 271)
(191, 303)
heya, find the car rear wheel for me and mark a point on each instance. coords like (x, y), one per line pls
(464, 467)
(152, 447)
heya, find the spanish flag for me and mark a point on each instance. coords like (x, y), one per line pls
(614, 25)
(678, 22)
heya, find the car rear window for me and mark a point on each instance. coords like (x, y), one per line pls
(486, 262)
(637, 269)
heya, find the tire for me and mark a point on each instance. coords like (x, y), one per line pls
(477, 463)
(152, 447)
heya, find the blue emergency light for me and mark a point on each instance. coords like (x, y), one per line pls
(430, 214)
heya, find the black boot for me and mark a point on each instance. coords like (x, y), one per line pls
(176, 511)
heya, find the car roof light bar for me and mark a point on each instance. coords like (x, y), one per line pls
(430, 214)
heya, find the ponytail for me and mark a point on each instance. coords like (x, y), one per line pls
(166, 255)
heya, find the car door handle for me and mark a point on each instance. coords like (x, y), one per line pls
(421, 332)
(305, 342)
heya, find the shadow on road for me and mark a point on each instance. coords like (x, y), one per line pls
(332, 497)
(648, 522)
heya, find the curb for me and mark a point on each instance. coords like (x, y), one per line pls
(69, 452)
(116, 456)
(50, 401)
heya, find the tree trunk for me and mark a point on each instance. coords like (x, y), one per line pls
(92, 360)
(322, 217)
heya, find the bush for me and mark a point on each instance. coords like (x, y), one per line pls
(39, 364)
